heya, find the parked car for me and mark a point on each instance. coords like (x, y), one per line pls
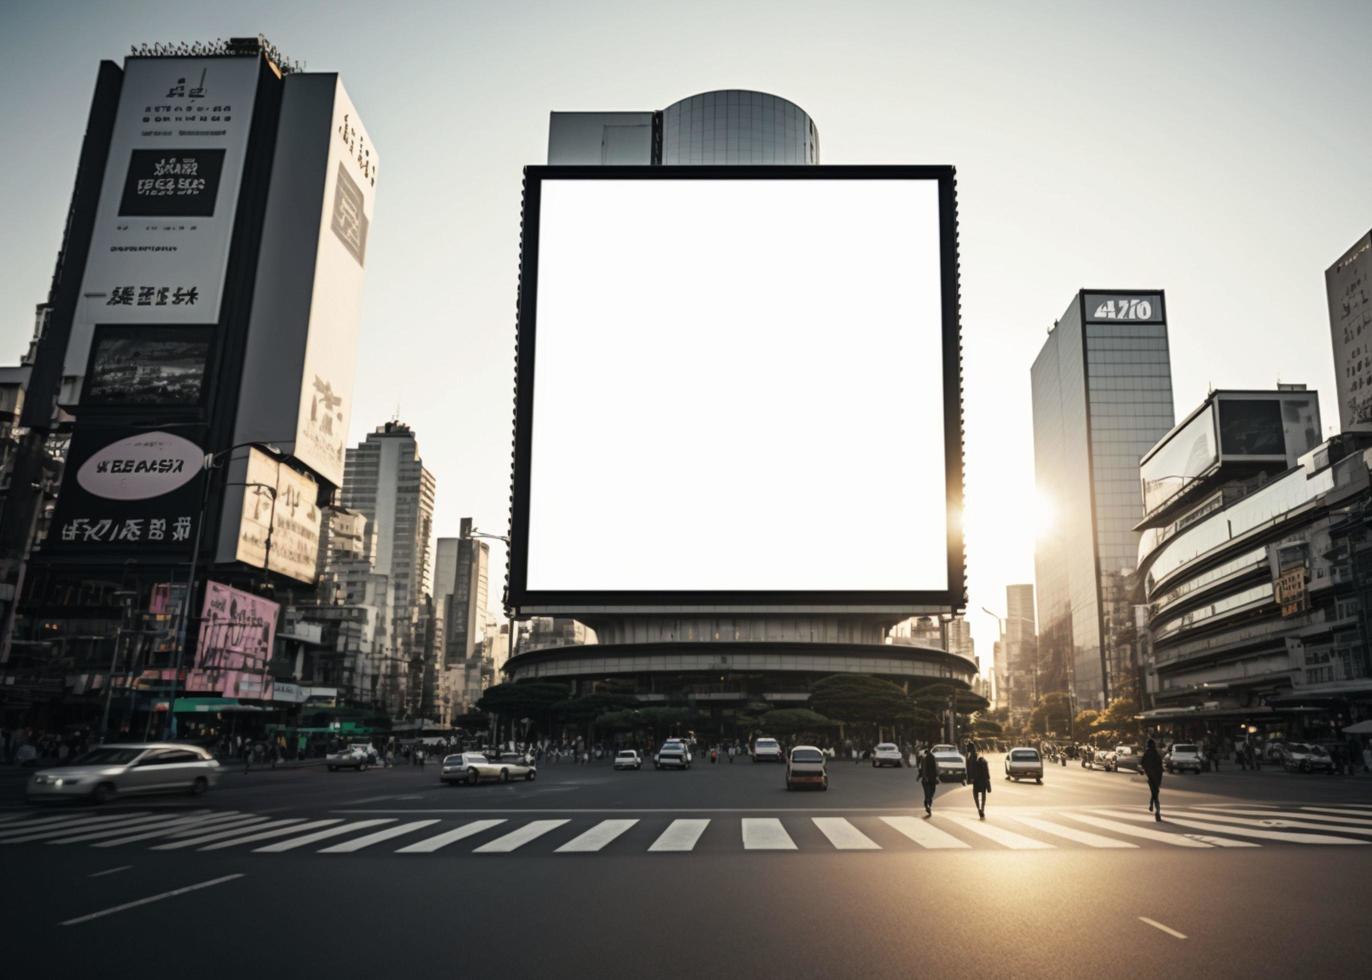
(672, 755)
(628, 759)
(470, 768)
(1185, 757)
(1303, 757)
(887, 754)
(373, 757)
(1024, 763)
(127, 769)
(1126, 757)
(348, 757)
(806, 767)
(768, 750)
(952, 764)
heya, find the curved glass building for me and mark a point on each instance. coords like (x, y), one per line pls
(734, 126)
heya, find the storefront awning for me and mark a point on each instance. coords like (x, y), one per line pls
(213, 705)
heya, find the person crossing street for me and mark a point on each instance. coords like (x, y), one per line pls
(980, 773)
(928, 777)
(1151, 764)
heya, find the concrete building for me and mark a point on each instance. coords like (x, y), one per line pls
(1102, 396)
(1348, 286)
(1021, 652)
(461, 593)
(385, 481)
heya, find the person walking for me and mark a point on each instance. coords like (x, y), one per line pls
(980, 773)
(1151, 765)
(928, 776)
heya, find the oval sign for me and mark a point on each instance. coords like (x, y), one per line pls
(141, 466)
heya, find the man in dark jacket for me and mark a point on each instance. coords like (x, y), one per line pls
(1151, 764)
(928, 776)
(979, 773)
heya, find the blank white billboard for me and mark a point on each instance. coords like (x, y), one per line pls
(738, 387)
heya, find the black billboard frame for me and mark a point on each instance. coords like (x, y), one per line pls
(520, 600)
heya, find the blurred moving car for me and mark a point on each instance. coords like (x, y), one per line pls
(470, 768)
(1024, 763)
(887, 754)
(128, 768)
(1102, 759)
(767, 750)
(628, 759)
(672, 755)
(373, 757)
(685, 747)
(348, 757)
(952, 764)
(806, 767)
(1126, 757)
(1303, 757)
(1185, 757)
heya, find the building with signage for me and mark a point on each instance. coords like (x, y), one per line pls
(1102, 397)
(1255, 568)
(1348, 286)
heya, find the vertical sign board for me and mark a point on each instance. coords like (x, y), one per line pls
(165, 219)
(237, 630)
(1347, 284)
(302, 341)
(275, 512)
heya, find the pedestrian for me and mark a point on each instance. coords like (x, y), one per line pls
(928, 776)
(980, 772)
(1151, 765)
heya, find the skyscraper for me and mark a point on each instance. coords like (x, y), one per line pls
(1021, 652)
(1102, 397)
(460, 595)
(385, 481)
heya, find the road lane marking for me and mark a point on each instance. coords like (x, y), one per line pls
(1177, 840)
(924, 833)
(39, 822)
(88, 824)
(1158, 925)
(766, 834)
(1326, 821)
(148, 824)
(347, 847)
(318, 835)
(597, 837)
(1006, 838)
(150, 899)
(238, 821)
(680, 835)
(1278, 822)
(1239, 831)
(843, 835)
(449, 836)
(1347, 814)
(293, 823)
(1071, 833)
(518, 838)
(109, 871)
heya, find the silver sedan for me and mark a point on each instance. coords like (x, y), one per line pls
(128, 769)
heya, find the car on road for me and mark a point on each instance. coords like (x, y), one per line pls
(767, 750)
(806, 767)
(672, 755)
(685, 747)
(1103, 759)
(373, 757)
(1185, 757)
(1126, 757)
(1024, 763)
(628, 759)
(470, 768)
(1303, 757)
(952, 764)
(128, 769)
(348, 757)
(887, 754)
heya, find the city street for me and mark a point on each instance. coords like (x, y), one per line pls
(713, 871)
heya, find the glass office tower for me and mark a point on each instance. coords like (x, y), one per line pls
(1102, 397)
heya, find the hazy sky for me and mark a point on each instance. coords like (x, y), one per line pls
(1219, 151)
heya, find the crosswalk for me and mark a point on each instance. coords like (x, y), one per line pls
(1236, 826)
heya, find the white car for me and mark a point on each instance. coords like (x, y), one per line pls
(887, 754)
(672, 755)
(351, 757)
(373, 757)
(628, 759)
(1184, 757)
(682, 744)
(768, 750)
(1024, 763)
(952, 764)
(470, 768)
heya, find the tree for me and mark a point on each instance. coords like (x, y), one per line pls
(515, 701)
(1117, 720)
(790, 722)
(1084, 725)
(1052, 715)
(860, 699)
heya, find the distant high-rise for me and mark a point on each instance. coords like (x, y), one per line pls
(460, 594)
(385, 481)
(1102, 397)
(1020, 651)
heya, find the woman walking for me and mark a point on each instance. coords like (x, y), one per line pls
(1151, 764)
(980, 773)
(928, 776)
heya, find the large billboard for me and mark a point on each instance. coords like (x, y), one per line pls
(165, 219)
(738, 386)
(142, 367)
(274, 511)
(307, 303)
(237, 631)
(1348, 287)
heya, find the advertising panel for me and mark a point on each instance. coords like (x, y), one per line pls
(1123, 307)
(701, 352)
(125, 490)
(237, 630)
(141, 367)
(1251, 427)
(279, 520)
(166, 212)
(1188, 454)
(302, 342)
(1347, 285)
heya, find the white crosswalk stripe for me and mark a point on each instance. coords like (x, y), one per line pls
(518, 838)
(1006, 838)
(319, 835)
(149, 823)
(253, 838)
(843, 835)
(680, 835)
(347, 847)
(1285, 837)
(291, 822)
(1158, 836)
(217, 822)
(766, 834)
(35, 824)
(432, 844)
(925, 834)
(1327, 821)
(1279, 820)
(597, 837)
(1345, 814)
(1071, 833)
(90, 823)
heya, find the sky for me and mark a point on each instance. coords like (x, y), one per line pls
(1218, 151)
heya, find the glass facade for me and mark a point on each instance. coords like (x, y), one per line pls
(734, 126)
(1102, 398)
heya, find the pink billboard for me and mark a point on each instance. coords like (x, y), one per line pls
(237, 630)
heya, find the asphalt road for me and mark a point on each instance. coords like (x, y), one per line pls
(717, 871)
